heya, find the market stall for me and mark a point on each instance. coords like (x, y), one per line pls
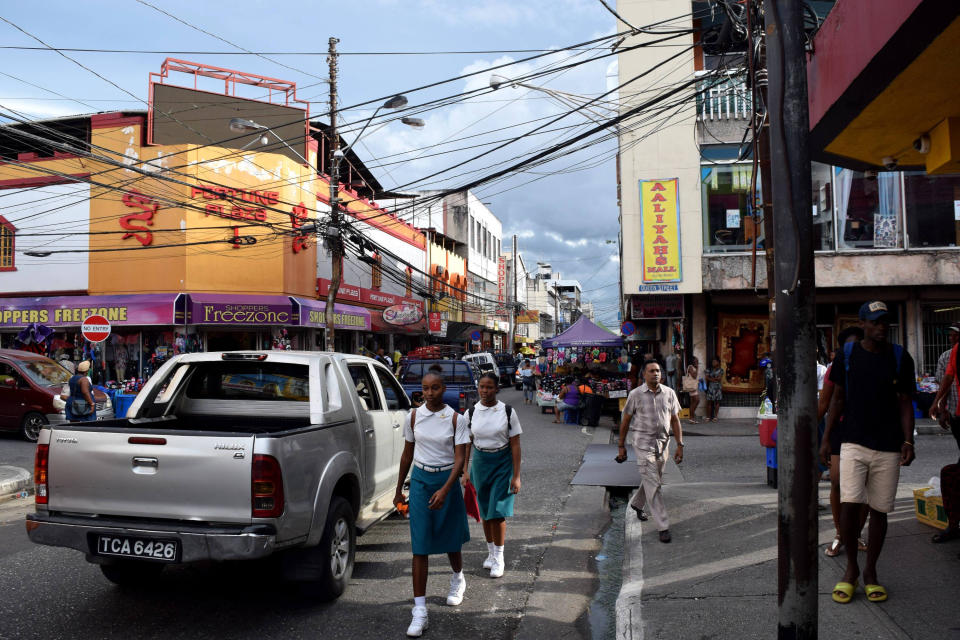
(584, 349)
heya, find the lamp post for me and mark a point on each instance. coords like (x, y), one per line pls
(334, 235)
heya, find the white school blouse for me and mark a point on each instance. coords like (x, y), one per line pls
(433, 435)
(489, 425)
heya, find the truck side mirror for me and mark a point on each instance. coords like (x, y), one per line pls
(10, 381)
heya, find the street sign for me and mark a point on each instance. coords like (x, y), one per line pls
(475, 336)
(95, 328)
(435, 324)
(628, 328)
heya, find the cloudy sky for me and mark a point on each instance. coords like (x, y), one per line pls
(563, 212)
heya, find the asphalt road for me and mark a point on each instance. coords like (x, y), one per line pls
(54, 593)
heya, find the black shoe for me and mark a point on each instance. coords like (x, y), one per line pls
(640, 514)
(665, 535)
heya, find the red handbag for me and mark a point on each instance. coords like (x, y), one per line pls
(470, 498)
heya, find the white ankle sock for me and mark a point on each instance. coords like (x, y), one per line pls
(490, 547)
(420, 601)
(458, 576)
(498, 551)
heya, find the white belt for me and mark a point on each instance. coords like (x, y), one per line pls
(491, 450)
(427, 467)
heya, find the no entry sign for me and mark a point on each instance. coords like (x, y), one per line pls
(95, 328)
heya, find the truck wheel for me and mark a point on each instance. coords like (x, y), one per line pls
(32, 424)
(338, 547)
(131, 573)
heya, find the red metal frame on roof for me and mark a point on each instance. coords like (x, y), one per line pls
(231, 78)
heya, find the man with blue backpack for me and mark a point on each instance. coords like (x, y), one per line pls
(875, 387)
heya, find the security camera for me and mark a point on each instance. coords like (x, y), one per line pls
(889, 163)
(922, 144)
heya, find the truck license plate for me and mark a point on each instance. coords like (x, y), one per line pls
(144, 548)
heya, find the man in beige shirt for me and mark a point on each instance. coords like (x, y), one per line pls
(650, 415)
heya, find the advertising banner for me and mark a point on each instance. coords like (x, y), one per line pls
(435, 322)
(660, 230)
(68, 311)
(238, 310)
(501, 279)
(402, 314)
(313, 314)
(528, 317)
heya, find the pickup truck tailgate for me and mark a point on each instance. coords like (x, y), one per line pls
(178, 477)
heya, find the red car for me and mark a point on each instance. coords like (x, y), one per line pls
(30, 387)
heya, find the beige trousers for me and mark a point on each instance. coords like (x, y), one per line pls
(648, 495)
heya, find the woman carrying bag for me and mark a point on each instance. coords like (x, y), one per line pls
(495, 473)
(692, 386)
(80, 405)
(436, 441)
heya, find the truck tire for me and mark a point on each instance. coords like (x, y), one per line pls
(31, 425)
(337, 547)
(132, 573)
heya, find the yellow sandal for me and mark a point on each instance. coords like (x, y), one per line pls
(843, 592)
(875, 593)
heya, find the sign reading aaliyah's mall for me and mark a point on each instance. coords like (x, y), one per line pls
(660, 230)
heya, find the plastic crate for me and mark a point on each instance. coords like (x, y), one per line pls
(929, 509)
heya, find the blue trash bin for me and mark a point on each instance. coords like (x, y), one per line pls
(121, 403)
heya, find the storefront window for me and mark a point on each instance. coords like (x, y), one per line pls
(933, 209)
(868, 209)
(822, 199)
(727, 223)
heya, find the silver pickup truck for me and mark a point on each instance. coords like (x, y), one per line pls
(229, 456)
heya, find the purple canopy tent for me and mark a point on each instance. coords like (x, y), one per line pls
(583, 333)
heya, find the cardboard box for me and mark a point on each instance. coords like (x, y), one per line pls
(929, 510)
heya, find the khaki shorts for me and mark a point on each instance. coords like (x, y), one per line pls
(868, 476)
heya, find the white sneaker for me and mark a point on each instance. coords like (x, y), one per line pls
(496, 569)
(488, 562)
(419, 622)
(457, 587)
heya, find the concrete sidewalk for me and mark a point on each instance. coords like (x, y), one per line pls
(15, 482)
(718, 578)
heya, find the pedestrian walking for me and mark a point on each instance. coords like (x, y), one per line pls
(946, 410)
(650, 415)
(691, 384)
(495, 473)
(80, 404)
(714, 376)
(831, 437)
(875, 386)
(529, 382)
(435, 445)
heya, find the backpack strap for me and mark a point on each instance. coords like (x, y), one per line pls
(848, 349)
(509, 410)
(470, 412)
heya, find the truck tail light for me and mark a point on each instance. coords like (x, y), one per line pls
(463, 401)
(266, 487)
(40, 473)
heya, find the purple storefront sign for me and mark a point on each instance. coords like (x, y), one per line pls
(312, 314)
(240, 310)
(68, 311)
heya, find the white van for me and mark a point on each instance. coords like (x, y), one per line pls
(485, 361)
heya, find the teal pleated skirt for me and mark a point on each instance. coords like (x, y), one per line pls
(491, 473)
(436, 530)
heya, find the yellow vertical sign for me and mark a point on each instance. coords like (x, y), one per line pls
(660, 230)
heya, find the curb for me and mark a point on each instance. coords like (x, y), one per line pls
(15, 482)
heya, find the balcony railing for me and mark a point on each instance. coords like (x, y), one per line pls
(724, 99)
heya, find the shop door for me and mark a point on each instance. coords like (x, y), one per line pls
(231, 341)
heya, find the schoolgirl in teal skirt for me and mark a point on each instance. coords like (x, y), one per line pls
(495, 473)
(436, 441)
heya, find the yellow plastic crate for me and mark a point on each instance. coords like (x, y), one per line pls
(929, 510)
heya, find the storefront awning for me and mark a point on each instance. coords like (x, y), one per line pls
(312, 314)
(239, 310)
(69, 311)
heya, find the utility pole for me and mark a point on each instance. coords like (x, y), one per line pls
(334, 238)
(795, 319)
(556, 310)
(513, 316)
